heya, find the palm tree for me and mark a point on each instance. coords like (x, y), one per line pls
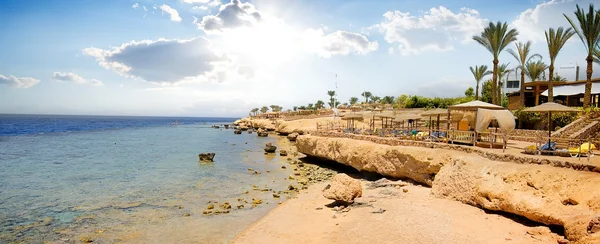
(495, 38)
(597, 54)
(311, 106)
(535, 69)
(254, 111)
(331, 99)
(522, 56)
(388, 99)
(319, 104)
(375, 99)
(478, 73)
(502, 71)
(264, 109)
(367, 95)
(557, 77)
(556, 39)
(588, 31)
(353, 100)
(295, 108)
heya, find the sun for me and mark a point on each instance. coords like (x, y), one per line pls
(269, 43)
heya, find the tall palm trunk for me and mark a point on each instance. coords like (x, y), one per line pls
(587, 98)
(522, 86)
(477, 91)
(495, 81)
(550, 79)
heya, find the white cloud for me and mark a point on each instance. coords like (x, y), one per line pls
(246, 71)
(195, 1)
(203, 8)
(18, 82)
(135, 5)
(172, 12)
(434, 30)
(164, 61)
(532, 22)
(215, 3)
(75, 78)
(145, 9)
(337, 43)
(232, 15)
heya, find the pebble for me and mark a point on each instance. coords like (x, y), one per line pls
(186, 215)
(405, 190)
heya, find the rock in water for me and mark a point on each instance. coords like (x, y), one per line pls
(343, 188)
(206, 157)
(237, 131)
(269, 148)
(283, 153)
(262, 133)
(226, 126)
(293, 136)
(244, 128)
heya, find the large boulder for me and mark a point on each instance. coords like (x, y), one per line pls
(262, 133)
(293, 136)
(343, 189)
(206, 157)
(269, 148)
(417, 163)
(542, 193)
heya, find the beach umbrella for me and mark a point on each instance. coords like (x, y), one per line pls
(433, 113)
(350, 118)
(550, 107)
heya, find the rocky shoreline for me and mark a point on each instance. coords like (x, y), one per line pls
(541, 193)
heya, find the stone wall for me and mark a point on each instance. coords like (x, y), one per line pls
(527, 135)
(467, 149)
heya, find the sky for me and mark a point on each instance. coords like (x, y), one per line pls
(221, 59)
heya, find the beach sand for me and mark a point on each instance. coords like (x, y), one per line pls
(414, 216)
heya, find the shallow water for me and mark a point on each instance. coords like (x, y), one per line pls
(135, 184)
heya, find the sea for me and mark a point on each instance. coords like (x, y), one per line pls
(117, 179)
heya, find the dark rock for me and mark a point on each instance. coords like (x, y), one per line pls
(226, 126)
(206, 157)
(237, 132)
(269, 148)
(283, 153)
(262, 133)
(292, 136)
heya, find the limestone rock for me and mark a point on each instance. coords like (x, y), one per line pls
(343, 188)
(269, 148)
(206, 157)
(392, 161)
(545, 194)
(244, 128)
(283, 153)
(262, 133)
(292, 136)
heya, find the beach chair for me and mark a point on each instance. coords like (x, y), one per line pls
(583, 150)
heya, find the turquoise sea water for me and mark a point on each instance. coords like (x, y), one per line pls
(131, 184)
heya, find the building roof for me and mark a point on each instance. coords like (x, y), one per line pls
(571, 89)
(474, 105)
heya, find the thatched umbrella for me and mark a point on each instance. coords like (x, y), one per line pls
(549, 108)
(350, 118)
(384, 117)
(434, 112)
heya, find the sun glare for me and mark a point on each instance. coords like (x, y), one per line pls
(267, 44)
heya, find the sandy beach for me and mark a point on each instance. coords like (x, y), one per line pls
(414, 216)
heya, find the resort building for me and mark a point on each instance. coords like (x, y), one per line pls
(569, 93)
